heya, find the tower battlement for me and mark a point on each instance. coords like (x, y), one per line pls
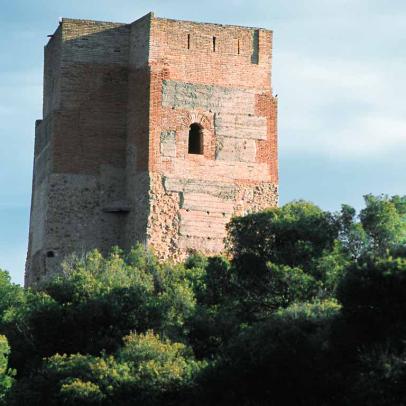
(158, 131)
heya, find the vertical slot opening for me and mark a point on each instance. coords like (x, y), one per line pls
(214, 44)
(238, 47)
(195, 144)
(255, 47)
(188, 41)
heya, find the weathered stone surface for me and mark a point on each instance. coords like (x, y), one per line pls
(241, 126)
(202, 224)
(220, 170)
(168, 143)
(163, 220)
(206, 203)
(207, 97)
(235, 149)
(188, 185)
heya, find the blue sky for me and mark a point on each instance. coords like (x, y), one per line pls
(339, 71)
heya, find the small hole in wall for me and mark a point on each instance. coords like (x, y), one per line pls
(188, 41)
(238, 46)
(208, 212)
(50, 254)
(214, 44)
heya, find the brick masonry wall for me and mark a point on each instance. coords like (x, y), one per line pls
(219, 77)
(80, 154)
(111, 164)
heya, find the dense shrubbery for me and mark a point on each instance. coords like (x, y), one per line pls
(308, 311)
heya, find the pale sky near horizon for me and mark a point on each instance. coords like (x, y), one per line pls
(339, 72)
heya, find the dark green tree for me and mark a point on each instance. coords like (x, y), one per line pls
(285, 359)
(297, 235)
(373, 297)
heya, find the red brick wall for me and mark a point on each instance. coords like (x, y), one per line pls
(200, 64)
(172, 60)
(227, 90)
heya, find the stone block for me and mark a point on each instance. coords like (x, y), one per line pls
(190, 96)
(241, 126)
(187, 185)
(206, 203)
(235, 149)
(168, 143)
(202, 224)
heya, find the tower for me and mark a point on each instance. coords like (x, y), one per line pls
(157, 131)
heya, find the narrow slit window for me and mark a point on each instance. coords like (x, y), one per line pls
(195, 144)
(238, 47)
(214, 44)
(188, 41)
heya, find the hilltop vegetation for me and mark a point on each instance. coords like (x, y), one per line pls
(308, 309)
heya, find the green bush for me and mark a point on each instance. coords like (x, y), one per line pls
(6, 375)
(76, 391)
(146, 369)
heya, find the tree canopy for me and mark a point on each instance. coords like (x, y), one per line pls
(306, 308)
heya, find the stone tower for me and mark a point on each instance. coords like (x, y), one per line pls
(157, 131)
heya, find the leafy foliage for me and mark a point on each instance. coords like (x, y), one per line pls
(383, 220)
(262, 290)
(11, 295)
(308, 308)
(373, 298)
(6, 376)
(296, 235)
(95, 303)
(146, 369)
(284, 360)
(381, 226)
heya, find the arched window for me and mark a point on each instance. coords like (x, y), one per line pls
(195, 145)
